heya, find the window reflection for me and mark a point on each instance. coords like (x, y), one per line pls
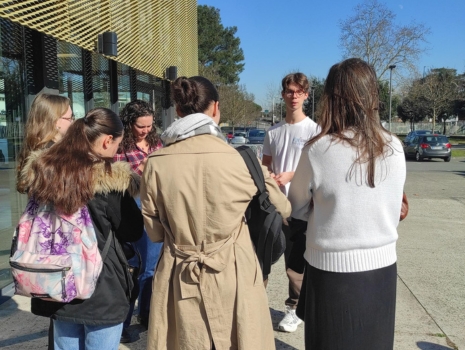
(12, 118)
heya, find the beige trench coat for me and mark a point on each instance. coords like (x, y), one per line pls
(208, 284)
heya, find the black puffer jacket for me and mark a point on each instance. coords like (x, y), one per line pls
(112, 208)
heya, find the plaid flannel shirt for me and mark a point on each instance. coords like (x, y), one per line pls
(136, 156)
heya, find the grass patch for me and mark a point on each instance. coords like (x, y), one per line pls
(458, 152)
(457, 140)
(439, 335)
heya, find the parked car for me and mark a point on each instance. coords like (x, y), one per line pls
(256, 136)
(411, 135)
(428, 146)
(239, 137)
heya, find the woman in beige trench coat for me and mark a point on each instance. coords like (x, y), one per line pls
(208, 291)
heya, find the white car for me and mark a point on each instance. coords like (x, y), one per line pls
(239, 139)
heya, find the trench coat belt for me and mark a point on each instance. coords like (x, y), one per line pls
(193, 259)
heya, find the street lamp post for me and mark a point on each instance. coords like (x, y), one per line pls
(272, 116)
(391, 67)
(313, 103)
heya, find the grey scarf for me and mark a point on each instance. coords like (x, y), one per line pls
(189, 126)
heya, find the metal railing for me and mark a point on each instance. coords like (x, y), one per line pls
(453, 128)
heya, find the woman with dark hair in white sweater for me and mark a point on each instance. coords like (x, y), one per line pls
(348, 186)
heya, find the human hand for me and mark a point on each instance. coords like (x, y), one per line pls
(142, 164)
(284, 178)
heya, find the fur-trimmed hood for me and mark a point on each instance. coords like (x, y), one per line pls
(122, 178)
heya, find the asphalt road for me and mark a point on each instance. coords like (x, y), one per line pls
(431, 245)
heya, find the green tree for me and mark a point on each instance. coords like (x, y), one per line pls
(384, 101)
(372, 35)
(218, 47)
(410, 110)
(316, 91)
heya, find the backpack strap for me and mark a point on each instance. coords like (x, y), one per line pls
(106, 247)
(257, 175)
(264, 246)
(254, 167)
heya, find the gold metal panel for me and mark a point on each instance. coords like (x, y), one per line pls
(152, 34)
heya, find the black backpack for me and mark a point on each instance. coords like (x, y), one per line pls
(264, 221)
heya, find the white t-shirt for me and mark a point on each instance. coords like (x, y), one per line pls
(284, 143)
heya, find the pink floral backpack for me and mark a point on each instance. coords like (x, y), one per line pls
(55, 256)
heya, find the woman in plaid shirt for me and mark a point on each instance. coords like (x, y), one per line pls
(139, 141)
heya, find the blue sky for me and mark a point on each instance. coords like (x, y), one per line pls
(278, 37)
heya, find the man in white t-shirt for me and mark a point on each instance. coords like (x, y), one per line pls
(281, 152)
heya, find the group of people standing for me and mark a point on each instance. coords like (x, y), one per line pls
(178, 201)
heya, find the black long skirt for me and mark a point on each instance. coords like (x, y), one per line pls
(348, 311)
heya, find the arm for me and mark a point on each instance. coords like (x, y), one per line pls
(140, 169)
(278, 198)
(125, 217)
(150, 211)
(267, 158)
(266, 161)
(131, 226)
(300, 191)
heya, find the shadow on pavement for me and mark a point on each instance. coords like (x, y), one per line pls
(276, 317)
(280, 345)
(462, 173)
(22, 338)
(424, 345)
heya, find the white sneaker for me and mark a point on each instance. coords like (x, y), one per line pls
(290, 321)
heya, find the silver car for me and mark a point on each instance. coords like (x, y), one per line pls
(239, 138)
(428, 146)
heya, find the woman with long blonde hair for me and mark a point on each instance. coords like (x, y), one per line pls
(49, 118)
(48, 121)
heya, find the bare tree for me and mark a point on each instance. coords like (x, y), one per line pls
(237, 106)
(372, 35)
(273, 100)
(433, 96)
(439, 89)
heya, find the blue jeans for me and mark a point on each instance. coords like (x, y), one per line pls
(149, 252)
(73, 336)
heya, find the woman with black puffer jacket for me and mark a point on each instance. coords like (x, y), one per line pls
(78, 171)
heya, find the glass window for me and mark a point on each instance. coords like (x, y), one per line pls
(124, 85)
(70, 76)
(12, 119)
(101, 81)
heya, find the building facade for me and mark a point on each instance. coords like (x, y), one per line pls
(51, 46)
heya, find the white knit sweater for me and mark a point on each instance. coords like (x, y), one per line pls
(352, 227)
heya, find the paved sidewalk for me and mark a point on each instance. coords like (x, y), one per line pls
(20, 330)
(431, 279)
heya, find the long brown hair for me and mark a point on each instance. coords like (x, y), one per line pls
(350, 102)
(63, 174)
(41, 128)
(129, 115)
